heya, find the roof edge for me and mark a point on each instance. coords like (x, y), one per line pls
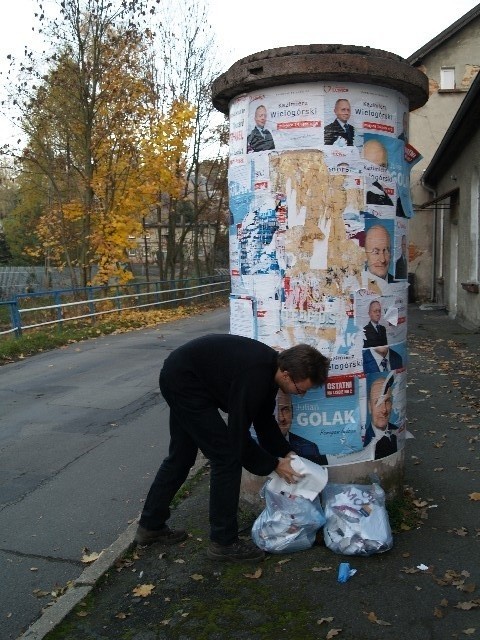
(466, 116)
(447, 33)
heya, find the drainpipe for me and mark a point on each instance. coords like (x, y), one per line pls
(433, 192)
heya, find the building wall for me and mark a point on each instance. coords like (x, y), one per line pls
(459, 261)
(427, 128)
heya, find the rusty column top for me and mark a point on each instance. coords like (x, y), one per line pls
(324, 62)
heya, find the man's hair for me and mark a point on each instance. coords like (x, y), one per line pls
(303, 361)
(374, 302)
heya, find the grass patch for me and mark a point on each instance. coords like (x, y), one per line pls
(187, 487)
(404, 513)
(39, 340)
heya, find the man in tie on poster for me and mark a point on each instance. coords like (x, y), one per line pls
(260, 139)
(340, 132)
(380, 428)
(401, 265)
(375, 333)
(381, 359)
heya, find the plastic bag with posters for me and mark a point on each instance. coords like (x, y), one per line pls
(288, 523)
(357, 520)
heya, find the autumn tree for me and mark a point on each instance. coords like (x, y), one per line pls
(189, 62)
(98, 150)
(8, 199)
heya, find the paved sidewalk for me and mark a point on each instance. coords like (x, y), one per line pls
(177, 593)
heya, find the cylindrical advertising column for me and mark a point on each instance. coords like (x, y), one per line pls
(319, 200)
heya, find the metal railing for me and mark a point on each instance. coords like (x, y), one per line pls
(45, 308)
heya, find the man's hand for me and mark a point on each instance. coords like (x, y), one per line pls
(285, 470)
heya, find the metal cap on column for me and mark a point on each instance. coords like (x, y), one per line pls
(320, 62)
(319, 197)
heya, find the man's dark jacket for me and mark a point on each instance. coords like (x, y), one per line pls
(386, 445)
(236, 375)
(257, 142)
(374, 338)
(334, 130)
(370, 364)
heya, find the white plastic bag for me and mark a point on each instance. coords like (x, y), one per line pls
(357, 520)
(288, 523)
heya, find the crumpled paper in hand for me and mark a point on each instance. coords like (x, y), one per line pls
(314, 480)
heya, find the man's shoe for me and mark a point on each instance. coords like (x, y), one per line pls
(239, 551)
(165, 535)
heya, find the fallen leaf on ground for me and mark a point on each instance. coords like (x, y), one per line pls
(420, 503)
(474, 496)
(322, 620)
(120, 615)
(90, 557)
(467, 588)
(322, 568)
(468, 632)
(373, 618)
(332, 633)
(143, 590)
(254, 576)
(437, 612)
(196, 576)
(466, 606)
(409, 570)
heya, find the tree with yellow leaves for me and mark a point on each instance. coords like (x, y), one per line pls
(99, 152)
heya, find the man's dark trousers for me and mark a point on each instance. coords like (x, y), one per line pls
(195, 423)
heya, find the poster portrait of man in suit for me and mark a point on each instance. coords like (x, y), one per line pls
(378, 252)
(260, 138)
(380, 428)
(380, 359)
(340, 131)
(374, 332)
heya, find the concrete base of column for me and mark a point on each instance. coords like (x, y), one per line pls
(389, 471)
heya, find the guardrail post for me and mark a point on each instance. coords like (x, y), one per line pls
(91, 305)
(15, 318)
(58, 309)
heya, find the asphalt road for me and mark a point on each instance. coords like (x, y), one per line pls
(82, 433)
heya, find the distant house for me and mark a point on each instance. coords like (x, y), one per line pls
(453, 178)
(451, 61)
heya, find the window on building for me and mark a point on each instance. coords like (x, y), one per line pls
(447, 78)
(132, 253)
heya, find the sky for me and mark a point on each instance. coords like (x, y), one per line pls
(249, 26)
(400, 27)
